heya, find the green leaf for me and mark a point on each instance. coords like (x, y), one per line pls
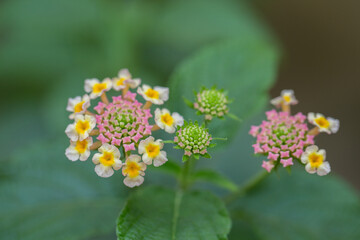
(185, 158)
(159, 213)
(46, 196)
(245, 67)
(300, 206)
(170, 167)
(216, 178)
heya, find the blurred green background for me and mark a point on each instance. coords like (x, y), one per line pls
(48, 48)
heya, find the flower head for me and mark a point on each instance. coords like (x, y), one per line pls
(328, 125)
(123, 122)
(133, 170)
(314, 160)
(167, 121)
(194, 139)
(96, 88)
(119, 128)
(151, 150)
(211, 103)
(79, 149)
(124, 80)
(282, 137)
(81, 128)
(287, 97)
(156, 95)
(78, 105)
(107, 160)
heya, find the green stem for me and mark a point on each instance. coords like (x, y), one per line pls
(249, 185)
(186, 173)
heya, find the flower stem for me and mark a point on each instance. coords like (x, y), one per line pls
(249, 185)
(186, 173)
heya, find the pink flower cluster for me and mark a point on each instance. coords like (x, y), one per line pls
(282, 138)
(122, 121)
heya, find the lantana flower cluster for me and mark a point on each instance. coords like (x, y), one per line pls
(211, 103)
(120, 129)
(194, 139)
(284, 138)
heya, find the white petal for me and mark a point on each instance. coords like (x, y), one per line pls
(312, 148)
(311, 117)
(71, 132)
(323, 169)
(309, 169)
(72, 103)
(71, 153)
(132, 182)
(134, 83)
(85, 155)
(96, 158)
(104, 171)
(160, 159)
(178, 119)
(276, 101)
(134, 158)
(169, 129)
(117, 165)
(323, 153)
(305, 158)
(334, 124)
(146, 159)
(163, 93)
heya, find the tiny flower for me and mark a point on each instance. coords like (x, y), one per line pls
(166, 121)
(268, 165)
(107, 160)
(124, 79)
(79, 149)
(211, 103)
(158, 95)
(151, 151)
(96, 88)
(315, 161)
(328, 125)
(287, 162)
(287, 98)
(133, 169)
(81, 128)
(78, 105)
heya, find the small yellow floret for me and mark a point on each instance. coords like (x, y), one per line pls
(82, 126)
(98, 87)
(151, 93)
(79, 107)
(316, 160)
(107, 159)
(167, 119)
(120, 81)
(81, 146)
(132, 169)
(287, 98)
(152, 150)
(322, 122)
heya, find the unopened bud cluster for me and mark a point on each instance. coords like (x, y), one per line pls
(211, 103)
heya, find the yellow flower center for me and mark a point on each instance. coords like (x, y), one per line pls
(151, 93)
(167, 119)
(79, 107)
(120, 81)
(82, 126)
(152, 150)
(322, 122)
(315, 160)
(98, 87)
(107, 159)
(81, 146)
(287, 98)
(132, 169)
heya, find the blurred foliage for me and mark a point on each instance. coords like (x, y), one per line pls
(297, 206)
